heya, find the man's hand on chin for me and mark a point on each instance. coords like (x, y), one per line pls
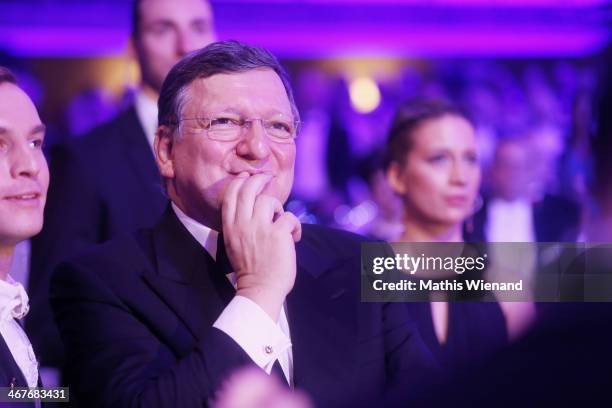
(260, 242)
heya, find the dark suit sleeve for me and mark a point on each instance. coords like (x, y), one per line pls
(71, 206)
(115, 359)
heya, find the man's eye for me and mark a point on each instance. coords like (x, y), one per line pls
(36, 143)
(224, 122)
(160, 29)
(438, 158)
(200, 27)
(280, 126)
(471, 158)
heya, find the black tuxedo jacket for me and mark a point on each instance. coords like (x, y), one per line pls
(102, 184)
(136, 318)
(11, 375)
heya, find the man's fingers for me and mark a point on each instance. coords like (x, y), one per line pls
(230, 198)
(267, 208)
(289, 222)
(297, 232)
(249, 191)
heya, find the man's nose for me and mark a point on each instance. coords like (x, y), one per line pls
(254, 143)
(25, 162)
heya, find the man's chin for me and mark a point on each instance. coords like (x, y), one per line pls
(18, 233)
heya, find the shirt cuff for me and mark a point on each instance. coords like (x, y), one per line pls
(254, 331)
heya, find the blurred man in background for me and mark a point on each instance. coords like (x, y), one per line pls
(519, 208)
(106, 182)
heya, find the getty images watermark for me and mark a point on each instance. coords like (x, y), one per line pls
(486, 272)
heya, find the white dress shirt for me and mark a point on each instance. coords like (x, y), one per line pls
(510, 221)
(263, 339)
(146, 110)
(14, 305)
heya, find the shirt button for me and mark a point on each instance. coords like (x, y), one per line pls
(268, 349)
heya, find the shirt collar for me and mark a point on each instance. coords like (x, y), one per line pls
(146, 110)
(515, 205)
(13, 300)
(207, 237)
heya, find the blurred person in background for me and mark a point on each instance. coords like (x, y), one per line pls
(251, 388)
(384, 218)
(432, 164)
(106, 183)
(24, 178)
(547, 144)
(483, 104)
(518, 207)
(565, 360)
(313, 93)
(90, 108)
(598, 225)
(522, 201)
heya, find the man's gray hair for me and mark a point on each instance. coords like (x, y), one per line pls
(221, 57)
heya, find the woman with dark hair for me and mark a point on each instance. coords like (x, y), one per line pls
(431, 161)
(565, 360)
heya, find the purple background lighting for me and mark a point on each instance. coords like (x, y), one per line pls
(357, 28)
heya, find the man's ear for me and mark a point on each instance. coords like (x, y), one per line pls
(394, 178)
(163, 145)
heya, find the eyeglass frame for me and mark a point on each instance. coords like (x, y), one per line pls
(243, 126)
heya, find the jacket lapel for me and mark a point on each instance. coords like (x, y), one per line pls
(186, 278)
(318, 309)
(11, 374)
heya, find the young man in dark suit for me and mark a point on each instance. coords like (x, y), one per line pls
(106, 182)
(226, 277)
(24, 178)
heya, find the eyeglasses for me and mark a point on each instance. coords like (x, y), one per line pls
(227, 128)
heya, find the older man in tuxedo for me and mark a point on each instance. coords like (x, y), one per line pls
(227, 278)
